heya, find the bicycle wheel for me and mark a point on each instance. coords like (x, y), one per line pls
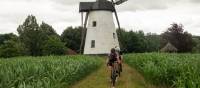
(119, 69)
(114, 74)
(113, 77)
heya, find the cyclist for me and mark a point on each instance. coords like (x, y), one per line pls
(112, 58)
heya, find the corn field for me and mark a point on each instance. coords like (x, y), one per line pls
(45, 72)
(171, 70)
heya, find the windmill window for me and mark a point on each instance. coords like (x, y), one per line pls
(93, 44)
(94, 23)
(114, 35)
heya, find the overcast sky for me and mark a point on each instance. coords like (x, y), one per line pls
(148, 15)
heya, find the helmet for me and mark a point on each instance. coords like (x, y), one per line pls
(117, 49)
(112, 50)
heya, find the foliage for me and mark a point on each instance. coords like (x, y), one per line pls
(51, 44)
(54, 46)
(72, 38)
(122, 36)
(46, 72)
(47, 30)
(177, 37)
(138, 42)
(131, 41)
(6, 37)
(153, 42)
(28, 34)
(196, 48)
(11, 46)
(174, 70)
(37, 38)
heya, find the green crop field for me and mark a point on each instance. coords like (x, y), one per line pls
(45, 72)
(162, 70)
(172, 70)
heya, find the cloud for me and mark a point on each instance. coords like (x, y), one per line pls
(14, 13)
(133, 5)
(70, 2)
(157, 21)
(196, 1)
(130, 5)
(147, 15)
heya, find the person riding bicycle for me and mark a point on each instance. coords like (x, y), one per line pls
(112, 58)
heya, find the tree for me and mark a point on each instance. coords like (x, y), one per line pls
(28, 34)
(37, 38)
(11, 47)
(153, 42)
(72, 38)
(177, 37)
(136, 42)
(122, 36)
(196, 48)
(6, 37)
(132, 41)
(47, 30)
(54, 46)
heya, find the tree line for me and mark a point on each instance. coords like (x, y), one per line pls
(42, 40)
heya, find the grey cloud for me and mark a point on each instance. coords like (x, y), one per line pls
(63, 13)
(133, 5)
(195, 1)
(70, 2)
(12, 18)
(130, 5)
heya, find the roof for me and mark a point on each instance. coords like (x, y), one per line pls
(169, 48)
(98, 5)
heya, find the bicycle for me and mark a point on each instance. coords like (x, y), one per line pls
(114, 73)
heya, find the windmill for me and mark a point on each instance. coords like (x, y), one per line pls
(99, 33)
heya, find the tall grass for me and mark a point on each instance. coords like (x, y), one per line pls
(173, 70)
(45, 72)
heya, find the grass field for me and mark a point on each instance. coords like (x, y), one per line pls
(100, 79)
(45, 72)
(147, 69)
(173, 70)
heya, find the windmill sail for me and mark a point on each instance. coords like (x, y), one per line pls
(118, 2)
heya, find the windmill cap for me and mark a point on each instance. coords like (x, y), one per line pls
(98, 5)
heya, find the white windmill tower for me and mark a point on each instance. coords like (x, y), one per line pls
(99, 31)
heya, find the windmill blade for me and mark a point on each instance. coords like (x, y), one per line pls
(112, 1)
(118, 2)
(84, 30)
(117, 19)
(82, 19)
(120, 30)
(116, 15)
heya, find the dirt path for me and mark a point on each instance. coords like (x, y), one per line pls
(130, 79)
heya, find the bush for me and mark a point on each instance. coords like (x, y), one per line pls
(11, 48)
